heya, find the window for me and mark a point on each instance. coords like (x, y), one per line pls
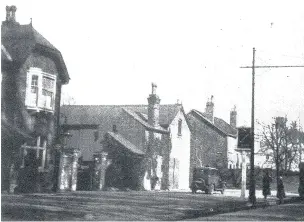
(37, 148)
(96, 135)
(180, 122)
(41, 89)
(114, 128)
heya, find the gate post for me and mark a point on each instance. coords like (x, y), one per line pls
(75, 153)
(68, 169)
(101, 163)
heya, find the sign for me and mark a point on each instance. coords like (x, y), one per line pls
(244, 138)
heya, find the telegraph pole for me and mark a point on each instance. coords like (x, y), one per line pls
(252, 197)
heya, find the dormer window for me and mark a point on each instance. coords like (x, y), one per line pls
(180, 123)
(41, 90)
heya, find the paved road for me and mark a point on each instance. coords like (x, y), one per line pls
(293, 212)
(115, 205)
(131, 205)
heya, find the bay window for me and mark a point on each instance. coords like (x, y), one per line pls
(41, 90)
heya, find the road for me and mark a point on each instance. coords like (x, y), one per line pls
(291, 212)
(102, 205)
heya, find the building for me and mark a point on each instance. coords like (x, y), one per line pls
(33, 72)
(213, 141)
(140, 146)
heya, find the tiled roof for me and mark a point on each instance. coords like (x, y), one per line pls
(97, 114)
(220, 124)
(21, 40)
(144, 122)
(5, 56)
(125, 143)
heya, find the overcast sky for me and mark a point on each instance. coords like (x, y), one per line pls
(191, 49)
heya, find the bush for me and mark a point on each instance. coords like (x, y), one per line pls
(301, 179)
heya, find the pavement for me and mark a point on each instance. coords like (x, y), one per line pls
(130, 205)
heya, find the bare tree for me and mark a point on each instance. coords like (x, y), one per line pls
(67, 99)
(281, 142)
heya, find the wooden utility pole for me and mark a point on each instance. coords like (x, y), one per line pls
(252, 197)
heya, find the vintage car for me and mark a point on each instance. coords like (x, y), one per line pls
(207, 179)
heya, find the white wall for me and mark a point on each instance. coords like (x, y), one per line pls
(181, 149)
(232, 155)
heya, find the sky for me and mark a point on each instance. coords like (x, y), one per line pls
(114, 50)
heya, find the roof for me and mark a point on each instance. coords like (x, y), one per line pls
(5, 56)
(125, 143)
(139, 117)
(21, 40)
(219, 124)
(92, 114)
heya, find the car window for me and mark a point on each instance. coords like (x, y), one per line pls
(198, 173)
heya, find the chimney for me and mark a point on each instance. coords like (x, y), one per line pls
(233, 115)
(11, 13)
(280, 121)
(153, 107)
(210, 109)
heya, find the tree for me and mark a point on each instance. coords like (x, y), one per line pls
(282, 143)
(67, 99)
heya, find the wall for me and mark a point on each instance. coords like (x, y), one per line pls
(180, 151)
(207, 144)
(84, 140)
(13, 101)
(233, 159)
(47, 65)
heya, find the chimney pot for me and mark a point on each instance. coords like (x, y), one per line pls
(210, 109)
(233, 117)
(154, 86)
(153, 107)
(11, 13)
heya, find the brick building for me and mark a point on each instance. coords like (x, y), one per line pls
(33, 72)
(133, 146)
(213, 141)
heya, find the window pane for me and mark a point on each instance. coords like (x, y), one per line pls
(40, 157)
(47, 93)
(34, 90)
(34, 80)
(180, 122)
(30, 157)
(32, 142)
(42, 140)
(48, 83)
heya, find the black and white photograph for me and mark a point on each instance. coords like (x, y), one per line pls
(141, 110)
